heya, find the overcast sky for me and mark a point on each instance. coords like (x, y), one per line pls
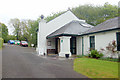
(32, 9)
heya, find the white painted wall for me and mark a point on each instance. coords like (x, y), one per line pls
(37, 49)
(64, 46)
(60, 21)
(101, 41)
(52, 43)
(79, 45)
(42, 43)
(86, 44)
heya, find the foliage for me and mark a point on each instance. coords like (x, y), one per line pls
(53, 15)
(25, 30)
(112, 48)
(1, 42)
(94, 68)
(92, 14)
(0, 30)
(29, 31)
(109, 59)
(96, 14)
(4, 31)
(16, 24)
(11, 37)
(95, 54)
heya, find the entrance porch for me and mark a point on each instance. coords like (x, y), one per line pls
(61, 45)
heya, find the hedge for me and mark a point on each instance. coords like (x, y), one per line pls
(1, 42)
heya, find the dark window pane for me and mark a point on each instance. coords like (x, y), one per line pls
(118, 41)
(92, 42)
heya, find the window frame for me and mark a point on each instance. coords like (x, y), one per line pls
(118, 40)
(92, 42)
(49, 43)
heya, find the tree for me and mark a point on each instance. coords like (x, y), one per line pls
(51, 16)
(110, 11)
(93, 15)
(4, 31)
(16, 24)
(0, 30)
(11, 37)
(25, 30)
(33, 33)
(29, 28)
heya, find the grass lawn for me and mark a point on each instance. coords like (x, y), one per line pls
(94, 68)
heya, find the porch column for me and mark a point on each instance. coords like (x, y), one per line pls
(64, 46)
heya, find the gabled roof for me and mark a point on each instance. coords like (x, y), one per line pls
(75, 28)
(60, 21)
(105, 26)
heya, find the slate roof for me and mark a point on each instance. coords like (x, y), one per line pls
(81, 28)
(105, 26)
(73, 28)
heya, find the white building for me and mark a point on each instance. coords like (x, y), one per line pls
(66, 34)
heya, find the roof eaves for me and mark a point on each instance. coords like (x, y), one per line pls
(99, 31)
(62, 35)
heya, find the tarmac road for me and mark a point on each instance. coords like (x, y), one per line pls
(22, 62)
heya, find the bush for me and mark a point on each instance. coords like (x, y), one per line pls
(1, 42)
(112, 48)
(95, 54)
(109, 59)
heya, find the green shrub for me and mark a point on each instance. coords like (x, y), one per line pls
(95, 54)
(29, 44)
(1, 42)
(109, 59)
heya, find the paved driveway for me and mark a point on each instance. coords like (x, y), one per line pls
(22, 62)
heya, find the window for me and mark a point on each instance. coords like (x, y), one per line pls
(82, 45)
(118, 40)
(49, 43)
(92, 42)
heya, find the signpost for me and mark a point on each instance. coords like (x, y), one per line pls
(32, 45)
(61, 41)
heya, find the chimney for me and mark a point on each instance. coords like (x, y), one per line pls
(42, 36)
(42, 16)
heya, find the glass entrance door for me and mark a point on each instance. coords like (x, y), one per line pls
(73, 45)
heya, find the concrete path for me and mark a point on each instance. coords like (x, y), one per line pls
(22, 62)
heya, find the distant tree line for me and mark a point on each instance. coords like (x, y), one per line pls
(25, 30)
(3, 32)
(92, 14)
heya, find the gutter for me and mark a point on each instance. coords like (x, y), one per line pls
(81, 34)
(62, 35)
(99, 31)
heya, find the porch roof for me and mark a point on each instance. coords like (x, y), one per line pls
(74, 28)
